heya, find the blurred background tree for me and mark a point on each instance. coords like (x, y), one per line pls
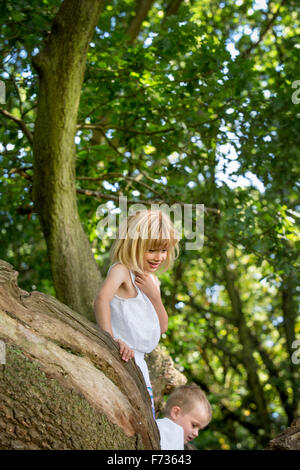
(189, 102)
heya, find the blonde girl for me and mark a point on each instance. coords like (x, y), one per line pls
(128, 305)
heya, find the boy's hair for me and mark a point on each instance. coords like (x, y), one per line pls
(144, 231)
(185, 397)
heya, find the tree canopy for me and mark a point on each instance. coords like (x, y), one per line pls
(181, 102)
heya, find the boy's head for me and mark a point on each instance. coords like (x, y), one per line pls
(188, 407)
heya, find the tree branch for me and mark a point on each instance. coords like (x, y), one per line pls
(110, 197)
(119, 175)
(122, 129)
(22, 172)
(20, 123)
(143, 7)
(263, 32)
(172, 7)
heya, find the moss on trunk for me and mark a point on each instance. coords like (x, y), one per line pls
(61, 65)
(37, 412)
(63, 385)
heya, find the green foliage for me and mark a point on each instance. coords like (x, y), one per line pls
(174, 116)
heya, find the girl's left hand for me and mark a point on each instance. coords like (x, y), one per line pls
(146, 284)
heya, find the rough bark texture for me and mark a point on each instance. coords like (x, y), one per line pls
(63, 385)
(61, 65)
(288, 440)
(164, 377)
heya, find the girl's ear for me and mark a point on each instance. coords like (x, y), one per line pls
(175, 412)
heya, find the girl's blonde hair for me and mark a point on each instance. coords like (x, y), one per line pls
(144, 231)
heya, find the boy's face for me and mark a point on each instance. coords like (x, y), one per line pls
(191, 422)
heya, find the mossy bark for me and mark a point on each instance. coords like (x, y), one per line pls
(61, 65)
(37, 412)
(63, 385)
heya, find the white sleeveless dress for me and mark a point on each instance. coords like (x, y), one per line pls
(135, 322)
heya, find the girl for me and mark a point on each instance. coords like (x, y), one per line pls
(128, 304)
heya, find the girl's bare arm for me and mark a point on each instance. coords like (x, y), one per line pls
(116, 276)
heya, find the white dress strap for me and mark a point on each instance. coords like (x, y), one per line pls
(138, 290)
(152, 276)
(111, 267)
(133, 278)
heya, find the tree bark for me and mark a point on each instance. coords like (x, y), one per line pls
(287, 440)
(63, 384)
(164, 377)
(61, 66)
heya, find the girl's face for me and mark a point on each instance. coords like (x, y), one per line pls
(153, 259)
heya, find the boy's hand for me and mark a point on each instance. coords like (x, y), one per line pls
(146, 284)
(125, 350)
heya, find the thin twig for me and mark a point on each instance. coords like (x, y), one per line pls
(20, 123)
(110, 197)
(122, 129)
(119, 175)
(263, 31)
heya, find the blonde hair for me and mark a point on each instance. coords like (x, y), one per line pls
(185, 398)
(144, 231)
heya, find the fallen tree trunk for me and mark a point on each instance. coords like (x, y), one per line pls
(287, 440)
(63, 385)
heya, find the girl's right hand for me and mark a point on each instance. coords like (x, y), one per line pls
(151, 289)
(125, 350)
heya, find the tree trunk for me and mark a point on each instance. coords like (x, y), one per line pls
(62, 383)
(287, 440)
(61, 66)
(247, 348)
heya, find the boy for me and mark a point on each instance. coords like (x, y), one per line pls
(186, 412)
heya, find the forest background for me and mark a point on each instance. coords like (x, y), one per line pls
(191, 102)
